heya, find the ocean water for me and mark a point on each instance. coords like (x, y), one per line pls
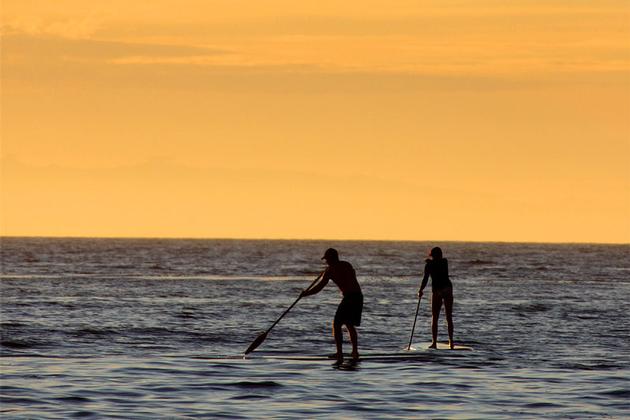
(121, 328)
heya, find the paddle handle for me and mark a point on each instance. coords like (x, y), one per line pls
(414, 323)
(293, 304)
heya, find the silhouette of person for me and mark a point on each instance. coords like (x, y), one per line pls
(349, 311)
(437, 267)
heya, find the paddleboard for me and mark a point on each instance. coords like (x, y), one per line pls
(348, 364)
(420, 351)
(440, 346)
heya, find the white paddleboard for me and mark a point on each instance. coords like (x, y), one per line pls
(440, 346)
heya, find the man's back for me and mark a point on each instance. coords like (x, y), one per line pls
(344, 276)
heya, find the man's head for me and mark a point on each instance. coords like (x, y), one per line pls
(331, 256)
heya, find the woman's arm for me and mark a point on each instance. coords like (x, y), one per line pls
(425, 279)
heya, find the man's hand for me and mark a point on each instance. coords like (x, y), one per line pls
(420, 293)
(304, 293)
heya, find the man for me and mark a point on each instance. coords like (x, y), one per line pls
(351, 306)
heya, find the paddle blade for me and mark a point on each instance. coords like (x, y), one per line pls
(257, 342)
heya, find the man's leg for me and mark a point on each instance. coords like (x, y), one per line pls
(355, 341)
(338, 334)
(436, 307)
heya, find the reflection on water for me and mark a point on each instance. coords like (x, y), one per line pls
(152, 329)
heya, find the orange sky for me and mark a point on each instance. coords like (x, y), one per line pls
(439, 120)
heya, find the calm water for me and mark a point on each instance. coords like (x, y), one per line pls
(156, 328)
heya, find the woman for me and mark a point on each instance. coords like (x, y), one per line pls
(437, 267)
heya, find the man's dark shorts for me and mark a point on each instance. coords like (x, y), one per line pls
(350, 309)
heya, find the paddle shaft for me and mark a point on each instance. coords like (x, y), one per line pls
(293, 304)
(414, 323)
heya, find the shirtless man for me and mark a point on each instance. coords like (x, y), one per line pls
(351, 306)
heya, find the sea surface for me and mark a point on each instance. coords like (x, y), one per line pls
(149, 328)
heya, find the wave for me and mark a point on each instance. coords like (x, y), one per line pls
(252, 384)
(83, 332)
(543, 404)
(249, 397)
(190, 315)
(12, 324)
(73, 399)
(18, 344)
(480, 262)
(532, 307)
(617, 393)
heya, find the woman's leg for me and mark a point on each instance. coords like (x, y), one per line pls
(436, 307)
(448, 308)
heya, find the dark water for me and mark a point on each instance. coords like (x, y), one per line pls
(156, 328)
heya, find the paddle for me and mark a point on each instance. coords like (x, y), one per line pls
(414, 323)
(258, 341)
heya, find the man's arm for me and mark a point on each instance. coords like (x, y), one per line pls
(318, 287)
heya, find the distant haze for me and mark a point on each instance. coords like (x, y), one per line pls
(452, 120)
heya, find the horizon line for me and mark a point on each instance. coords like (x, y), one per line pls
(2, 236)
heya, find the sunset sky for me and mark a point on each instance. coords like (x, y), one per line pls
(420, 120)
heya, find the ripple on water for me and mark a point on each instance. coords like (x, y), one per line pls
(161, 389)
(18, 344)
(73, 399)
(254, 384)
(543, 404)
(84, 414)
(250, 397)
(622, 393)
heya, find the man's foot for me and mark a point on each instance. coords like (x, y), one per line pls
(433, 346)
(338, 359)
(355, 356)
